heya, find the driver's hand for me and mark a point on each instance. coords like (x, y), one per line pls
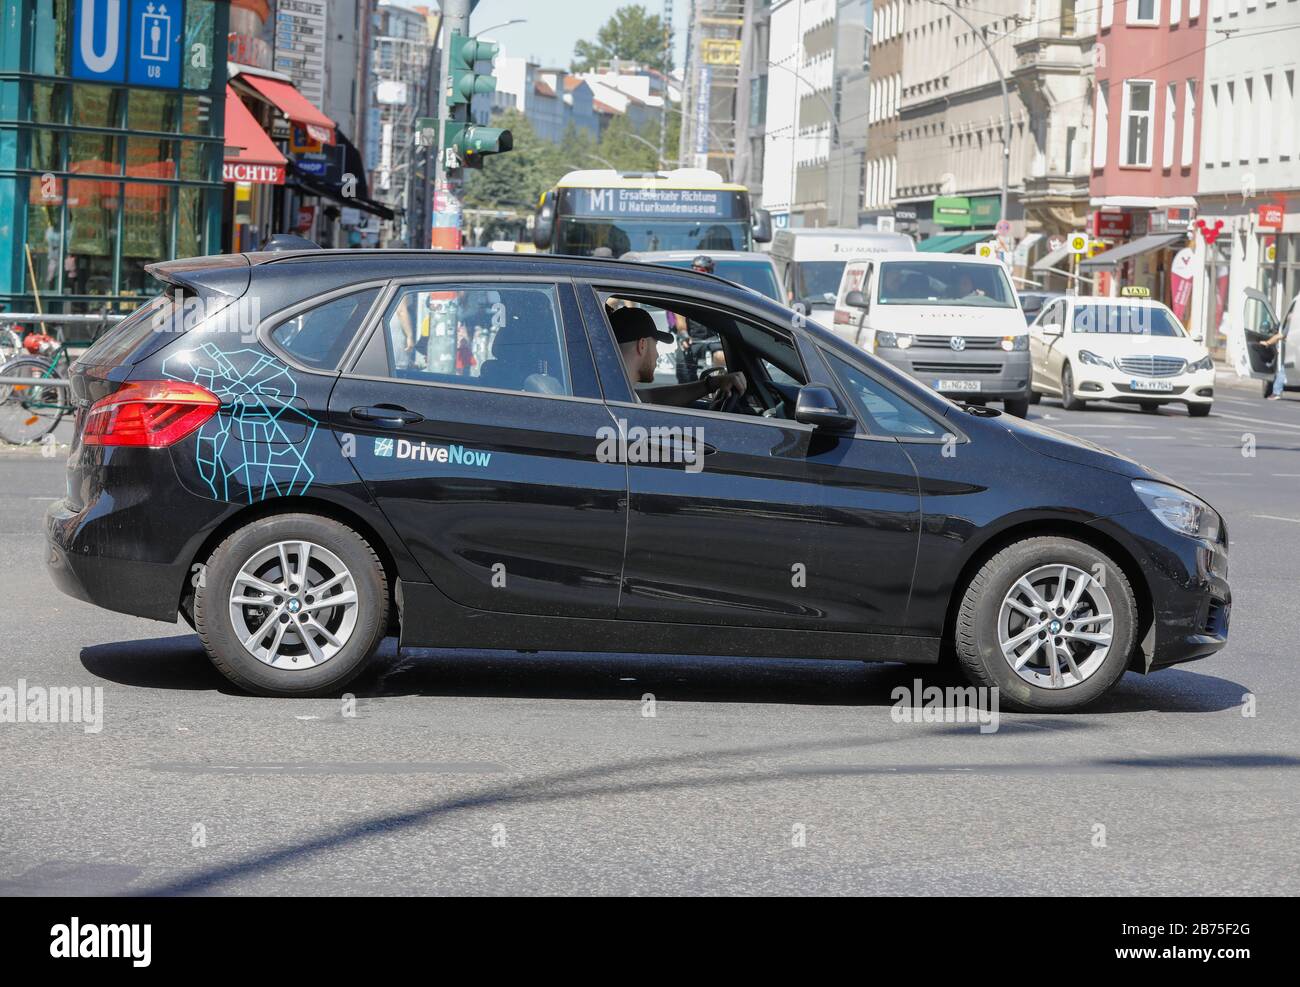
(726, 383)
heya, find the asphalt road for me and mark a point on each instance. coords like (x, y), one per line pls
(500, 773)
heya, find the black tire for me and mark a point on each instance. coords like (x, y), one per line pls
(1068, 400)
(1035, 397)
(1150, 407)
(976, 631)
(1016, 406)
(1268, 388)
(1199, 410)
(213, 621)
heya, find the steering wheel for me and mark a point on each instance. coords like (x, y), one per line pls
(718, 401)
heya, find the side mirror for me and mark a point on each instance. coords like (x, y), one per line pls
(816, 406)
(761, 227)
(855, 299)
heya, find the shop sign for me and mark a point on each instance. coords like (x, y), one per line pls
(256, 174)
(1270, 216)
(1111, 225)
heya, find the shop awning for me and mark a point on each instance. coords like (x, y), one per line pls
(1134, 248)
(294, 105)
(255, 159)
(952, 243)
(1050, 260)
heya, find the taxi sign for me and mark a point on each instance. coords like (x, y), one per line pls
(1134, 291)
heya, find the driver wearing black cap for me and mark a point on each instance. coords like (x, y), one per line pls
(702, 263)
(636, 332)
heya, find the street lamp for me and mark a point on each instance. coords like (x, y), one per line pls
(1006, 103)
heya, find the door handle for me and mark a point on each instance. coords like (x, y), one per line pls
(387, 416)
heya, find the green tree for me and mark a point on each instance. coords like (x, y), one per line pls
(632, 34)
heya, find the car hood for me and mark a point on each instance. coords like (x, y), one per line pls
(1070, 449)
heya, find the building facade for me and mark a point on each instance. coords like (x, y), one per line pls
(111, 137)
(881, 111)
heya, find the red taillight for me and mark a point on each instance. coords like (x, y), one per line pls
(149, 413)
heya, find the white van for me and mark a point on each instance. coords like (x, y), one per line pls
(812, 260)
(952, 321)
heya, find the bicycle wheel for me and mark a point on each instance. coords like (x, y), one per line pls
(29, 411)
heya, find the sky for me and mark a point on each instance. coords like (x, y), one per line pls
(554, 25)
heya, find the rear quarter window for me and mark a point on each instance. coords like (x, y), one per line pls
(318, 337)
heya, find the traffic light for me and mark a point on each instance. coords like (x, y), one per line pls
(463, 83)
(471, 142)
(467, 142)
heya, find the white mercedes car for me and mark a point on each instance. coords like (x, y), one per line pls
(1118, 349)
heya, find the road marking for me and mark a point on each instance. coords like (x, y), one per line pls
(42, 498)
(1285, 475)
(1274, 517)
(1229, 474)
(1086, 425)
(1261, 421)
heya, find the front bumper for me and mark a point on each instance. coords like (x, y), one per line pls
(1187, 579)
(1107, 384)
(990, 373)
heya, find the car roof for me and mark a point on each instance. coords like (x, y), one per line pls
(921, 256)
(654, 255)
(1106, 300)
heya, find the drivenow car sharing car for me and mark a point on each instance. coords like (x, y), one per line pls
(461, 449)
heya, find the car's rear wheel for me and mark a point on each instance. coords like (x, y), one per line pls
(1050, 622)
(1035, 397)
(1068, 399)
(292, 605)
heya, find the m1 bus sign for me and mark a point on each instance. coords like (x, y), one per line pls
(254, 174)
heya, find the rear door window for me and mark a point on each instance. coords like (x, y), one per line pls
(119, 342)
(492, 335)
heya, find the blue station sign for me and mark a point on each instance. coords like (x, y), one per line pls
(140, 42)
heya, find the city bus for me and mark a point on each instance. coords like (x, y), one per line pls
(608, 213)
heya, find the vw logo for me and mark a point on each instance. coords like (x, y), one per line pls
(958, 343)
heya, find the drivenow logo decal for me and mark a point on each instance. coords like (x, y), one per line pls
(425, 452)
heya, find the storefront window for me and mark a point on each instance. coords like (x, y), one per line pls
(98, 106)
(148, 157)
(191, 221)
(94, 154)
(199, 38)
(93, 206)
(49, 36)
(49, 102)
(153, 110)
(44, 238)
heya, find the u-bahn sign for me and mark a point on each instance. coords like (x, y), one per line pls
(134, 41)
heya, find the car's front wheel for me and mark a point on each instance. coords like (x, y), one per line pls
(1069, 400)
(292, 605)
(1019, 407)
(1050, 622)
(1199, 410)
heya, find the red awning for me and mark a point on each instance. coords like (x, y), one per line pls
(294, 105)
(259, 161)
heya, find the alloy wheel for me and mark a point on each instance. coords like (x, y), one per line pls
(1055, 626)
(293, 605)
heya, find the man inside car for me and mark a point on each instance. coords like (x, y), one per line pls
(636, 332)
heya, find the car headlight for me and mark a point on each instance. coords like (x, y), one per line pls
(1178, 510)
(1092, 359)
(1204, 363)
(1013, 343)
(887, 340)
(904, 340)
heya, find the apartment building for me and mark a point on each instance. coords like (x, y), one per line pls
(884, 99)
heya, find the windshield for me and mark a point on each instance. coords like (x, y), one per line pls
(756, 274)
(1130, 320)
(936, 282)
(818, 281)
(583, 236)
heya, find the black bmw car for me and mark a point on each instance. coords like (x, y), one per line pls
(303, 451)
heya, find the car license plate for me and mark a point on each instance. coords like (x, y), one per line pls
(1152, 385)
(956, 385)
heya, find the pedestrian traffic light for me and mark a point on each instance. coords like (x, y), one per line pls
(463, 83)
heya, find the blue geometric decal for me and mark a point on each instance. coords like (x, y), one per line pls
(259, 440)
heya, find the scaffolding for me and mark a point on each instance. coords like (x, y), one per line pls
(712, 77)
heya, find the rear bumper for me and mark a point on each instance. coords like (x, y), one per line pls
(143, 589)
(999, 374)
